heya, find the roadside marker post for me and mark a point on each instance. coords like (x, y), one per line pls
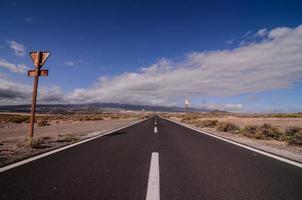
(39, 58)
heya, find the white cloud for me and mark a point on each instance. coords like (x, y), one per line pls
(18, 48)
(282, 32)
(274, 63)
(223, 107)
(21, 68)
(51, 95)
(262, 33)
(243, 42)
(229, 41)
(69, 63)
(247, 34)
(14, 92)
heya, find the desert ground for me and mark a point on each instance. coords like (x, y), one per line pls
(280, 134)
(53, 131)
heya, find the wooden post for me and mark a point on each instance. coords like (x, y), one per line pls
(34, 99)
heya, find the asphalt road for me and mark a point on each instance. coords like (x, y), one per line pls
(190, 166)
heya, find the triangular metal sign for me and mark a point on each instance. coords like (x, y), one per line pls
(39, 62)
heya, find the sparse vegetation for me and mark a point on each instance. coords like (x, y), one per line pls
(285, 115)
(42, 123)
(251, 131)
(92, 118)
(293, 135)
(40, 143)
(114, 117)
(5, 118)
(67, 138)
(191, 118)
(44, 120)
(207, 123)
(228, 127)
(266, 131)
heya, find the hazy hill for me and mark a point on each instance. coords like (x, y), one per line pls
(97, 107)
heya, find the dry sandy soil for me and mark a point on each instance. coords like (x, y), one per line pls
(281, 123)
(273, 146)
(78, 128)
(14, 147)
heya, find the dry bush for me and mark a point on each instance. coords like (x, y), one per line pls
(252, 131)
(96, 118)
(43, 123)
(207, 123)
(293, 135)
(40, 143)
(269, 131)
(188, 120)
(228, 127)
(266, 131)
(88, 118)
(286, 115)
(18, 119)
(191, 118)
(114, 117)
(67, 138)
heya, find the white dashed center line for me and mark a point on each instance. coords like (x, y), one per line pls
(153, 181)
(155, 129)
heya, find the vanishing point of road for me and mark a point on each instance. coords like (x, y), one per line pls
(153, 159)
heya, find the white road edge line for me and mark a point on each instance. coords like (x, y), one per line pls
(288, 161)
(155, 129)
(22, 162)
(153, 181)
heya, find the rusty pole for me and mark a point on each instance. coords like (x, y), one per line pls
(34, 100)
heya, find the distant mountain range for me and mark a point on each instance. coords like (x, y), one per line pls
(97, 107)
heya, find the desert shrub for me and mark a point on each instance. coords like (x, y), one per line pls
(228, 127)
(43, 123)
(269, 131)
(252, 131)
(67, 138)
(266, 131)
(19, 119)
(190, 119)
(207, 123)
(96, 118)
(114, 117)
(285, 115)
(293, 135)
(40, 143)
(90, 118)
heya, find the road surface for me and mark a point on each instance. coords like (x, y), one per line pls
(153, 161)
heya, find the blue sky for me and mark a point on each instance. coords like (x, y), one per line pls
(136, 51)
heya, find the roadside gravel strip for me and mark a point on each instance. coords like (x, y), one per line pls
(275, 153)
